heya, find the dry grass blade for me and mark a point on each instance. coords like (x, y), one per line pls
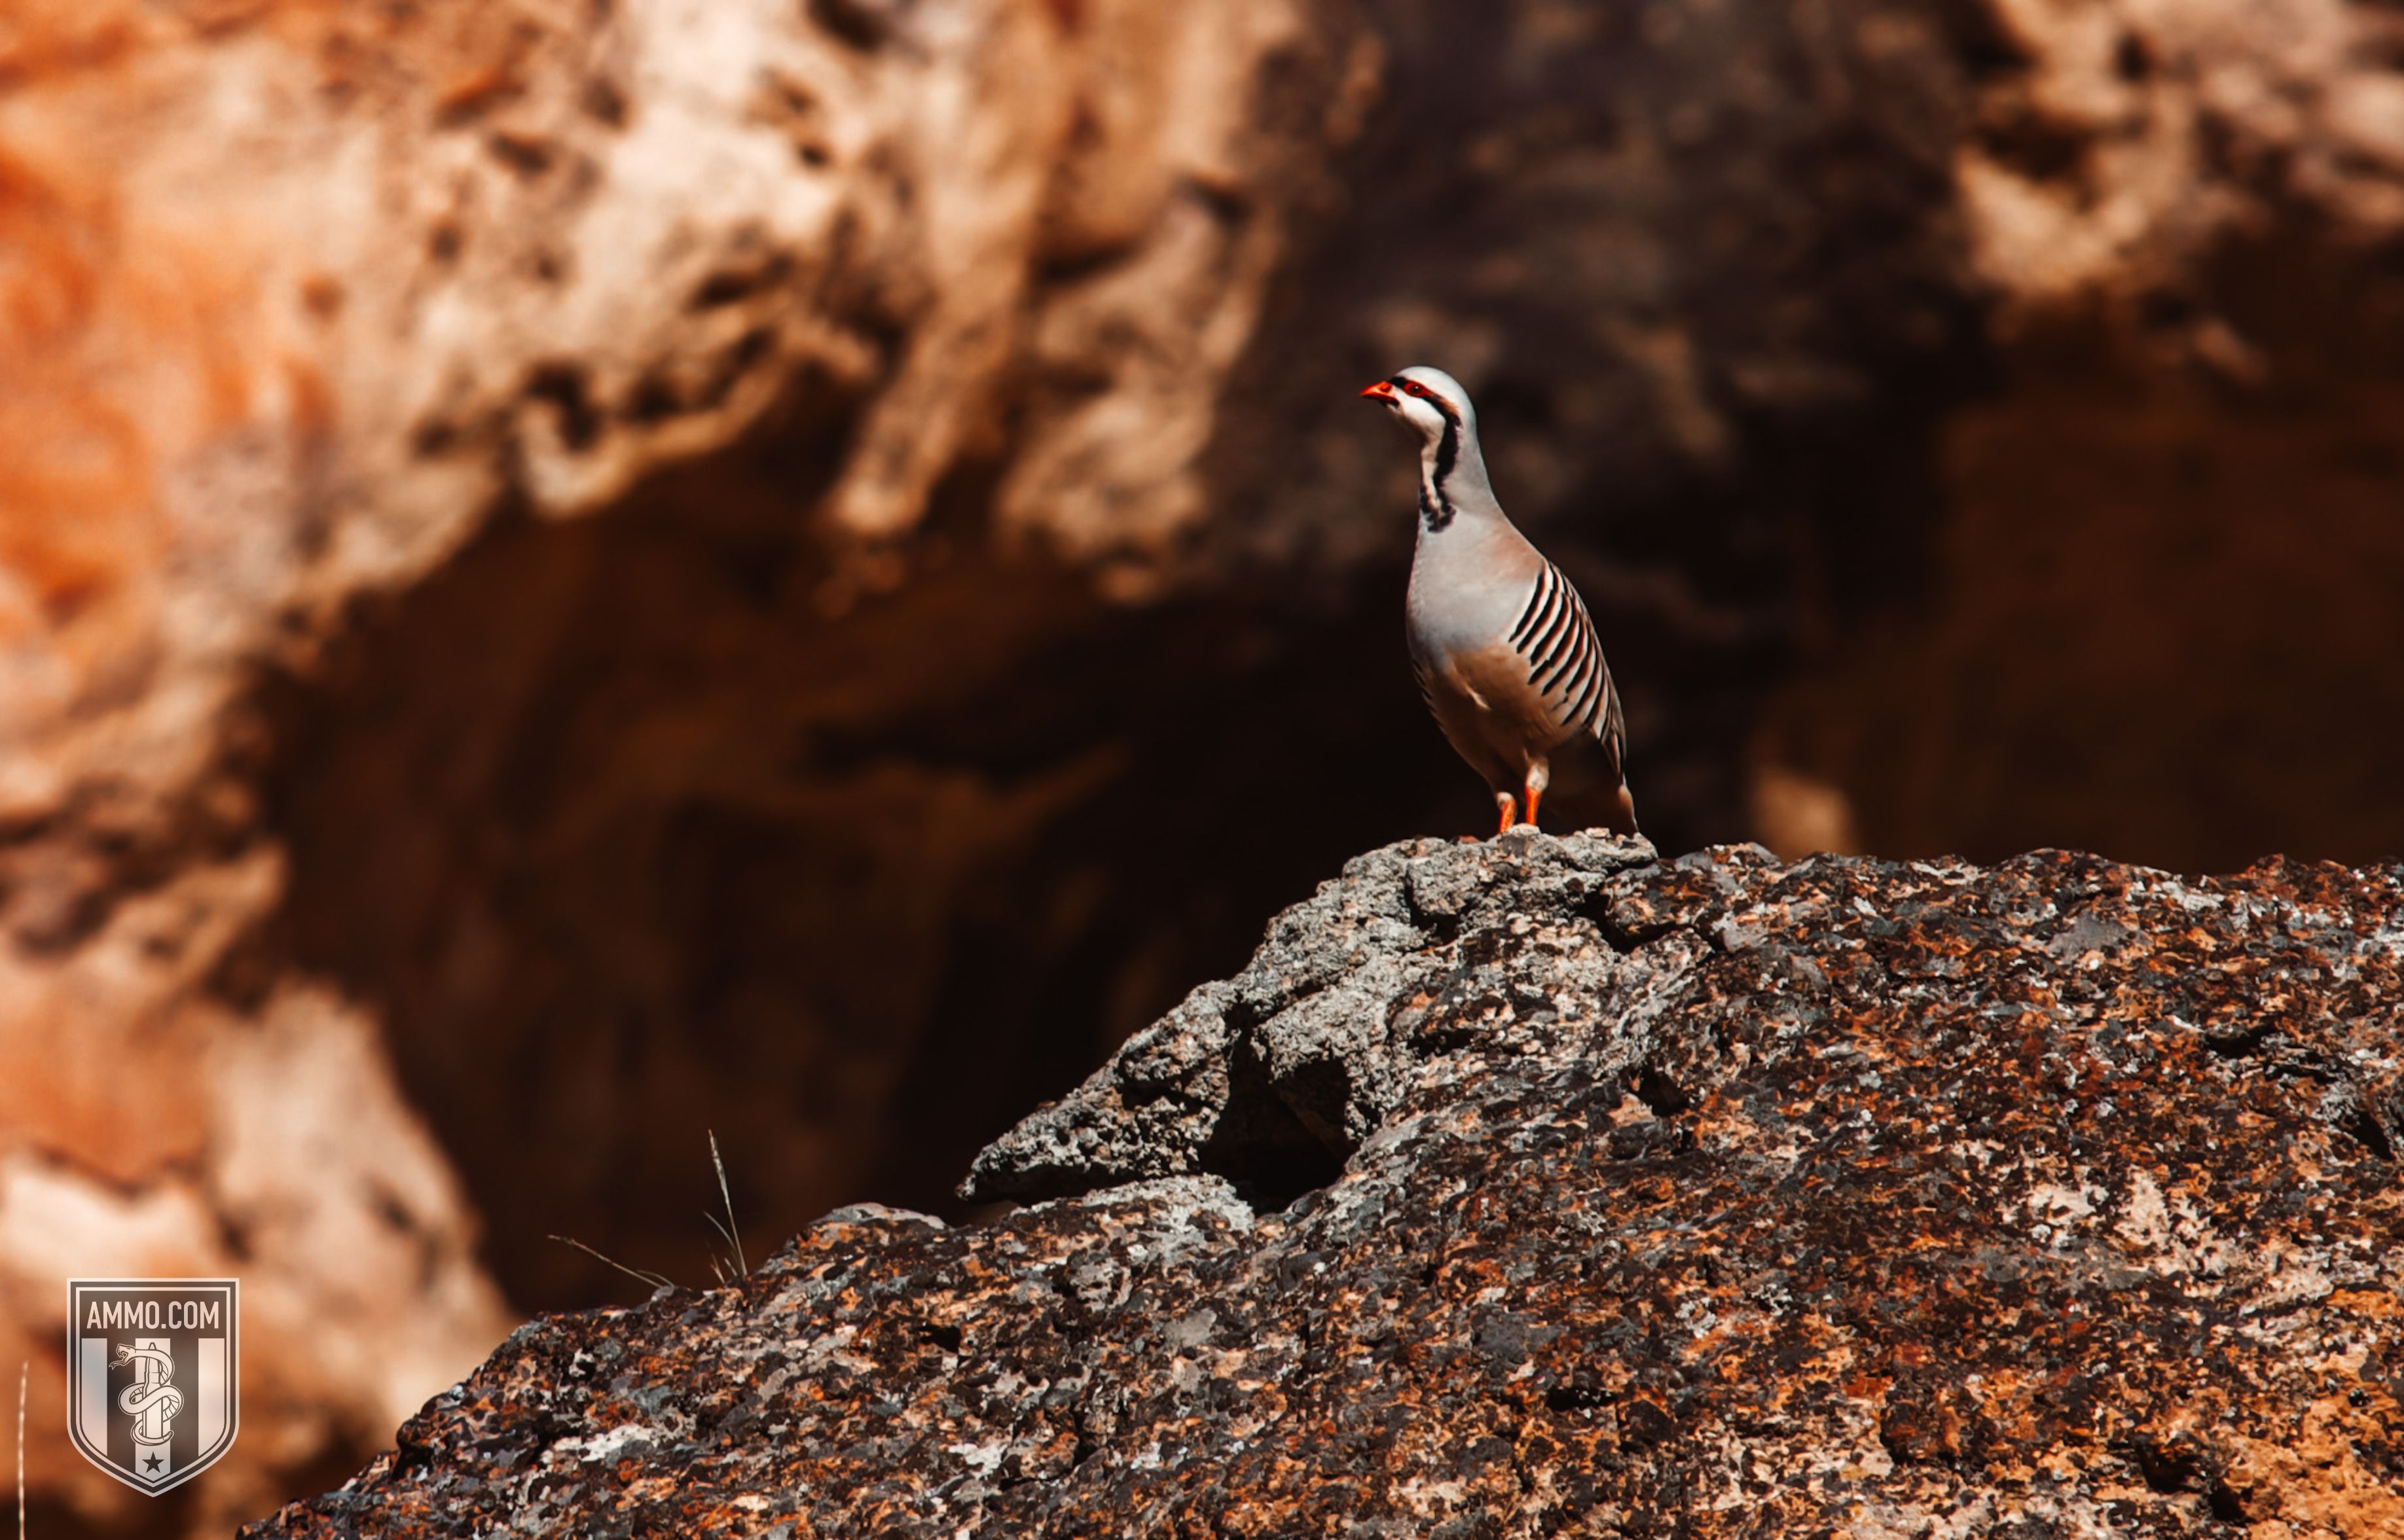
(636, 1273)
(729, 1230)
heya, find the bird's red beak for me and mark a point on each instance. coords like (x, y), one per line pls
(1381, 391)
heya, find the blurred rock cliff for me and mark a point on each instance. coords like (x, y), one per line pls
(573, 574)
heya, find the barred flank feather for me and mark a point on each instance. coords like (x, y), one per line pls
(1555, 638)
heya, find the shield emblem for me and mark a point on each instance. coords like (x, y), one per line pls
(152, 1396)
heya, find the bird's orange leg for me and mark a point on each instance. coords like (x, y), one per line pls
(1535, 795)
(1510, 810)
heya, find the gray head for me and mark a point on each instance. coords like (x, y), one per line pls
(1452, 471)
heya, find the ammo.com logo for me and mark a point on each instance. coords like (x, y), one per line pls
(151, 1385)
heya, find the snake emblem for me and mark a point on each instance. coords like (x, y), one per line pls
(152, 1400)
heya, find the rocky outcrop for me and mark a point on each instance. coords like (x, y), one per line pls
(1538, 1187)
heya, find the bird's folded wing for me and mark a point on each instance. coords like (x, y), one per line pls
(1555, 640)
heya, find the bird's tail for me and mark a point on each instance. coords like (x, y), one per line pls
(1597, 807)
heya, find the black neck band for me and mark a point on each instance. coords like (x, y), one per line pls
(1435, 507)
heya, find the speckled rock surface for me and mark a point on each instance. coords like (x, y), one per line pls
(1707, 1198)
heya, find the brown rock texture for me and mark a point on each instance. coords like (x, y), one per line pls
(2154, 620)
(1713, 1197)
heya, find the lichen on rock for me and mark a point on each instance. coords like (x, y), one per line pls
(1611, 1196)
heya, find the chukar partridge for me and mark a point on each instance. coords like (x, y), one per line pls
(1501, 642)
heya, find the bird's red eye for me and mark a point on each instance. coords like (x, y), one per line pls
(1414, 387)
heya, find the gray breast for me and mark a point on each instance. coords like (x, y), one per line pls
(1468, 583)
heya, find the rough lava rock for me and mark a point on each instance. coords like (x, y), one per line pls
(1712, 1196)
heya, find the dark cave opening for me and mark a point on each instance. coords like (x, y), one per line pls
(628, 836)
